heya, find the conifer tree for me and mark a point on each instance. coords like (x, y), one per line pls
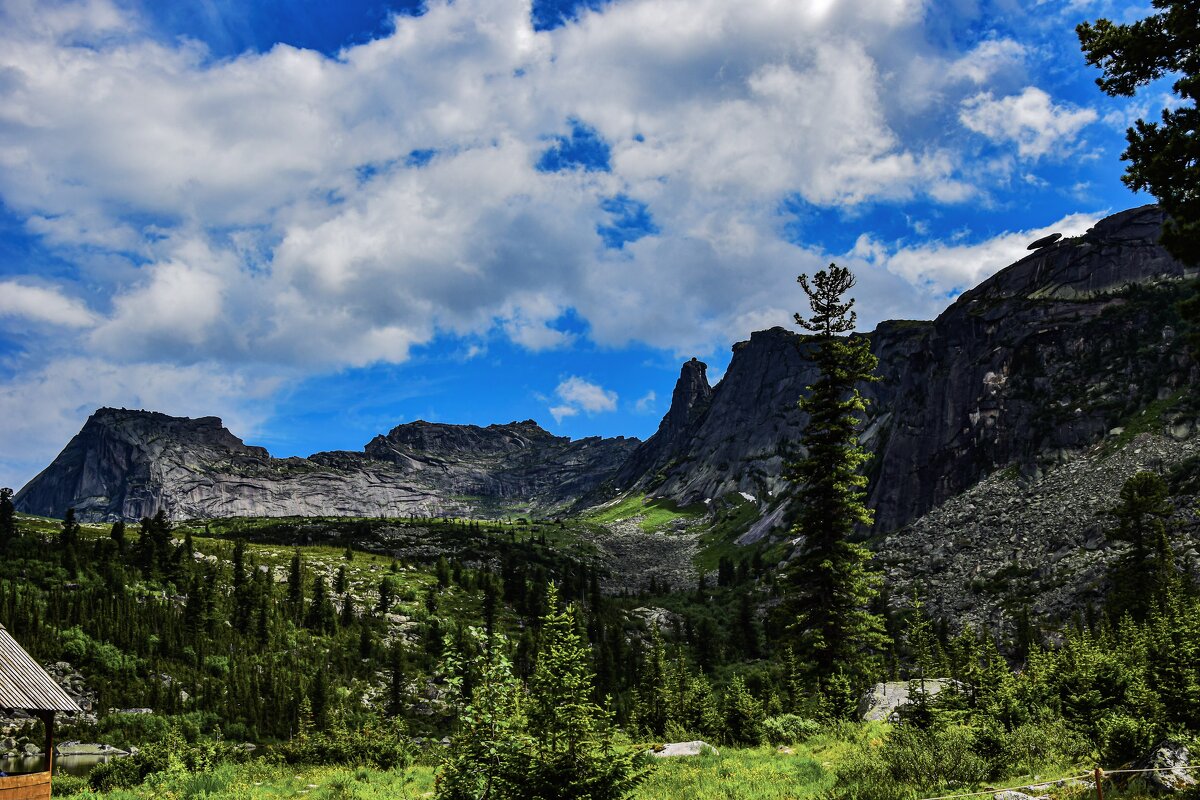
(68, 541)
(8, 527)
(572, 738)
(295, 595)
(743, 714)
(387, 595)
(320, 617)
(396, 679)
(1143, 575)
(117, 534)
(829, 586)
(1162, 155)
(487, 754)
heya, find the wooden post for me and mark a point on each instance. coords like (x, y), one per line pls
(47, 718)
(1099, 784)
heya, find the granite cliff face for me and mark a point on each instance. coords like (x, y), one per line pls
(1028, 368)
(129, 464)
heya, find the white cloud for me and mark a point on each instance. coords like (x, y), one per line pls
(43, 304)
(940, 269)
(327, 268)
(646, 404)
(588, 396)
(1031, 119)
(579, 395)
(562, 412)
(987, 59)
(258, 212)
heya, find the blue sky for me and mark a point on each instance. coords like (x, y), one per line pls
(319, 219)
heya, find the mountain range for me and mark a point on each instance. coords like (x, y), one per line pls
(1030, 369)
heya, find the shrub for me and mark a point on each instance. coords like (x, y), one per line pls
(911, 760)
(1123, 738)
(171, 753)
(379, 744)
(66, 785)
(789, 728)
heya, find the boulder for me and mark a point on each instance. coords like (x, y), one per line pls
(31, 750)
(675, 749)
(880, 702)
(1009, 794)
(1170, 759)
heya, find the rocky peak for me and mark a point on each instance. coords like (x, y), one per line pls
(690, 397)
(689, 402)
(1118, 251)
(138, 428)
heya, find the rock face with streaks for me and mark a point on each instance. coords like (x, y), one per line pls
(1032, 366)
(129, 464)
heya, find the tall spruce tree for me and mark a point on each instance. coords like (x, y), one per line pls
(1143, 575)
(68, 542)
(117, 534)
(829, 585)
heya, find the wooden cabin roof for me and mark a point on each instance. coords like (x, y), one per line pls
(24, 684)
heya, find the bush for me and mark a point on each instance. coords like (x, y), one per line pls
(126, 730)
(66, 785)
(171, 753)
(125, 773)
(1036, 745)
(1123, 738)
(380, 744)
(911, 760)
(789, 728)
(82, 650)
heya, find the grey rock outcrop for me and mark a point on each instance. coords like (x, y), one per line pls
(1036, 363)
(883, 700)
(129, 464)
(679, 749)
(1169, 762)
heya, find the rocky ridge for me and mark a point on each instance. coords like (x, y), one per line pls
(1032, 366)
(130, 464)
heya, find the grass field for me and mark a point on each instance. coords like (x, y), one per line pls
(734, 774)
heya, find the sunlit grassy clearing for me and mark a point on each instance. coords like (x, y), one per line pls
(653, 514)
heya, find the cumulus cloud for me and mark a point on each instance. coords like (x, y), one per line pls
(579, 395)
(43, 304)
(711, 113)
(285, 213)
(1030, 119)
